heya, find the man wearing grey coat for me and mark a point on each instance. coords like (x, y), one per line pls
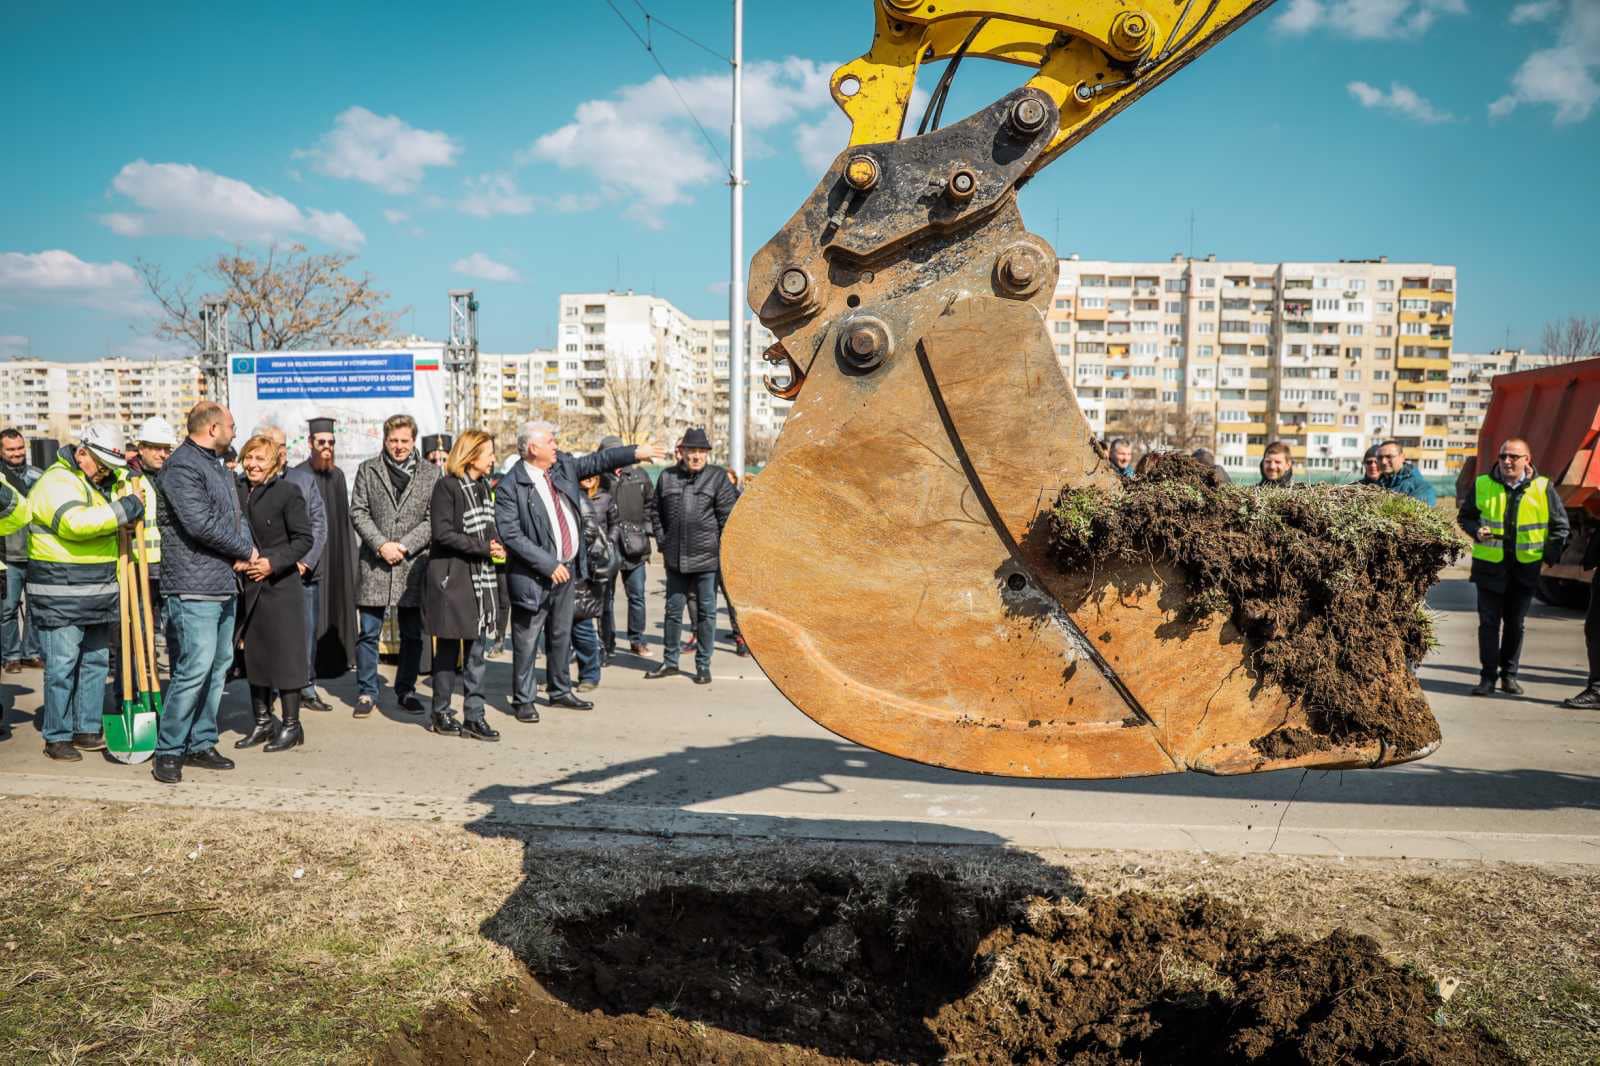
(389, 505)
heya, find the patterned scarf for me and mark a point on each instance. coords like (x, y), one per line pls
(478, 521)
(400, 474)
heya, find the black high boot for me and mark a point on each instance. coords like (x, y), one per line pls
(266, 726)
(290, 735)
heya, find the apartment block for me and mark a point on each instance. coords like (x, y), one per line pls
(635, 350)
(1471, 378)
(56, 400)
(765, 412)
(1326, 357)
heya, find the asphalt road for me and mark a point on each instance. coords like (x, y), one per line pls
(1517, 779)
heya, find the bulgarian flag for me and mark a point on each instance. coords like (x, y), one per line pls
(425, 362)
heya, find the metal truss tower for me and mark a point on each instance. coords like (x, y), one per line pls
(461, 359)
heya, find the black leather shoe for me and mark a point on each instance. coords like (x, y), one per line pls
(702, 677)
(638, 648)
(410, 702)
(476, 730)
(662, 671)
(444, 724)
(1484, 688)
(571, 701)
(168, 769)
(62, 751)
(89, 742)
(1509, 684)
(1587, 700)
(315, 703)
(208, 760)
(529, 713)
(364, 707)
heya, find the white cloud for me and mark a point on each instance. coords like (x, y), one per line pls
(1366, 19)
(494, 194)
(60, 276)
(13, 344)
(182, 199)
(394, 217)
(1537, 11)
(607, 139)
(1563, 76)
(380, 150)
(478, 265)
(1401, 99)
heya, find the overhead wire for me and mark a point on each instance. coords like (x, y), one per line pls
(648, 45)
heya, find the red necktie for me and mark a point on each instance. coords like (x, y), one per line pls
(561, 515)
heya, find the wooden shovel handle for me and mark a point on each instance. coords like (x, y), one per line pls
(124, 606)
(148, 612)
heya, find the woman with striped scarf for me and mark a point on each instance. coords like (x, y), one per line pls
(459, 603)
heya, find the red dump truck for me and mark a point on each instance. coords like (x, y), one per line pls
(1556, 409)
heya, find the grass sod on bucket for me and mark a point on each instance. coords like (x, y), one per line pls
(1328, 583)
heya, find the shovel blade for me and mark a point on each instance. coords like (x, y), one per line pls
(131, 734)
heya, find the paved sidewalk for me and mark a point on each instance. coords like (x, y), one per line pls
(1516, 779)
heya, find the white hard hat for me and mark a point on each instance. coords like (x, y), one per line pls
(158, 431)
(104, 441)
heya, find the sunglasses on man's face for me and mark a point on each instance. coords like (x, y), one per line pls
(322, 442)
(1512, 455)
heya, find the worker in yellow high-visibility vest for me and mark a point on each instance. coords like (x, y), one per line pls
(154, 443)
(1517, 524)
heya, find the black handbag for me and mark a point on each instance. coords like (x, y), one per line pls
(634, 542)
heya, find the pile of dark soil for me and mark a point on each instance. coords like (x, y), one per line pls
(1326, 582)
(931, 969)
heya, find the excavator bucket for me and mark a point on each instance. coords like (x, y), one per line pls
(889, 563)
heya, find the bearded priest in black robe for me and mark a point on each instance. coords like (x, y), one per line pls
(333, 638)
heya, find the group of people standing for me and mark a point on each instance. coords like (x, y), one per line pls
(287, 575)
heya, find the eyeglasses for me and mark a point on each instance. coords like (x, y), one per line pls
(322, 441)
(1512, 455)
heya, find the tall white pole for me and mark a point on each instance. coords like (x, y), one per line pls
(738, 373)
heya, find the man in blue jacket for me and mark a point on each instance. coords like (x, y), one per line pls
(1397, 475)
(209, 545)
(536, 512)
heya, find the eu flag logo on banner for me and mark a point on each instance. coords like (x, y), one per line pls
(243, 365)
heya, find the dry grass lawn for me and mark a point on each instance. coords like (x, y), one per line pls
(154, 935)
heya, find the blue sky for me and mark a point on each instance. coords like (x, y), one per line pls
(524, 149)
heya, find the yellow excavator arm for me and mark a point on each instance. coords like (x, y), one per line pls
(889, 564)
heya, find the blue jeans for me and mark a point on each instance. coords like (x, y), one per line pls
(705, 620)
(203, 632)
(405, 677)
(17, 640)
(632, 582)
(586, 646)
(77, 661)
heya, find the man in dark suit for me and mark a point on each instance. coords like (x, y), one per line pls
(536, 511)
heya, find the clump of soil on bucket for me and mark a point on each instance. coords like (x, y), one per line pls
(1326, 582)
(927, 968)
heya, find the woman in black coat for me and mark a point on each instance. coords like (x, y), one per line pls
(460, 605)
(273, 617)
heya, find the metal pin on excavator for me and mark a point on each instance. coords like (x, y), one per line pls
(889, 563)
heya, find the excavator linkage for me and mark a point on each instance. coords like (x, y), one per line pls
(889, 564)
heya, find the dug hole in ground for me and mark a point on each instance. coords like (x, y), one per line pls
(152, 935)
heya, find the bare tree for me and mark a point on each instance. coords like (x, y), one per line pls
(283, 299)
(1576, 338)
(635, 402)
(1154, 426)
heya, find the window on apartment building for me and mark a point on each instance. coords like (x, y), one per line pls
(571, 310)
(1352, 397)
(1293, 395)
(1170, 396)
(1063, 327)
(1063, 305)
(1117, 394)
(594, 309)
(1120, 283)
(1204, 373)
(1413, 329)
(1177, 285)
(1350, 420)
(1382, 375)
(1230, 438)
(1141, 326)
(1208, 305)
(1208, 283)
(1174, 307)
(1063, 349)
(1233, 416)
(1324, 394)
(1380, 398)
(1385, 284)
(1327, 305)
(1091, 348)
(1118, 305)
(1171, 373)
(1146, 282)
(1260, 329)
(1413, 305)
(1172, 329)
(1355, 329)
(570, 348)
(1092, 281)
(571, 366)
(1092, 302)
(1204, 351)
(1091, 369)
(1206, 327)
(1328, 283)
(1410, 420)
(1383, 353)
(1385, 307)
(1116, 327)
(1356, 306)
(1385, 331)
(1443, 285)
(1433, 442)
(1145, 348)
(1358, 284)
(1352, 375)
(1144, 371)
